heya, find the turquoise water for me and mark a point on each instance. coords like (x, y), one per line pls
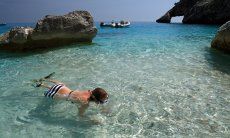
(163, 80)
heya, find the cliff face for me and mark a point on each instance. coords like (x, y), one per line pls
(179, 9)
(199, 12)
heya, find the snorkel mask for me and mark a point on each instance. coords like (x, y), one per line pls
(98, 100)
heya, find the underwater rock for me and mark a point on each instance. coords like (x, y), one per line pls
(222, 38)
(199, 12)
(51, 31)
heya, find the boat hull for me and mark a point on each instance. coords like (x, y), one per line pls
(117, 25)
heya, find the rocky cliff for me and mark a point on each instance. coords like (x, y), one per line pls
(76, 26)
(199, 12)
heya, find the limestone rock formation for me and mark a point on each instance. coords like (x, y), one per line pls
(17, 35)
(76, 26)
(222, 38)
(20, 34)
(199, 12)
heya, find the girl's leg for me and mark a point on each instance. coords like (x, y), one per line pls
(54, 81)
(43, 85)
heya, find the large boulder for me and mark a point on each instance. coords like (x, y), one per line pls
(222, 38)
(76, 26)
(199, 12)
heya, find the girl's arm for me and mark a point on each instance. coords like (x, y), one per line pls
(82, 108)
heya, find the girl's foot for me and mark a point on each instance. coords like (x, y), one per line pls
(38, 84)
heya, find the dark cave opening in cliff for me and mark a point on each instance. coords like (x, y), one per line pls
(177, 19)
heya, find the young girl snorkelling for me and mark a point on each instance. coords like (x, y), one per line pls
(61, 92)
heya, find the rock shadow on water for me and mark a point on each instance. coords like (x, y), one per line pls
(4, 54)
(73, 125)
(218, 60)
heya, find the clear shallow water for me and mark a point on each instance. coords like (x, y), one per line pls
(163, 80)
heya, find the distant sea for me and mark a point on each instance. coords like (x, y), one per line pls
(163, 80)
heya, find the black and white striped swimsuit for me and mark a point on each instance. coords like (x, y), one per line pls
(53, 90)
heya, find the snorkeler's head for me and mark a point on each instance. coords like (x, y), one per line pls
(99, 96)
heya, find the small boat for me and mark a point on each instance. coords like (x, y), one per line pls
(102, 24)
(2, 24)
(120, 24)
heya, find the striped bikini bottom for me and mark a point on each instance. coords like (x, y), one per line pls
(53, 90)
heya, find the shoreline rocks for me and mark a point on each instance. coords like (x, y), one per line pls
(222, 38)
(51, 31)
(199, 12)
